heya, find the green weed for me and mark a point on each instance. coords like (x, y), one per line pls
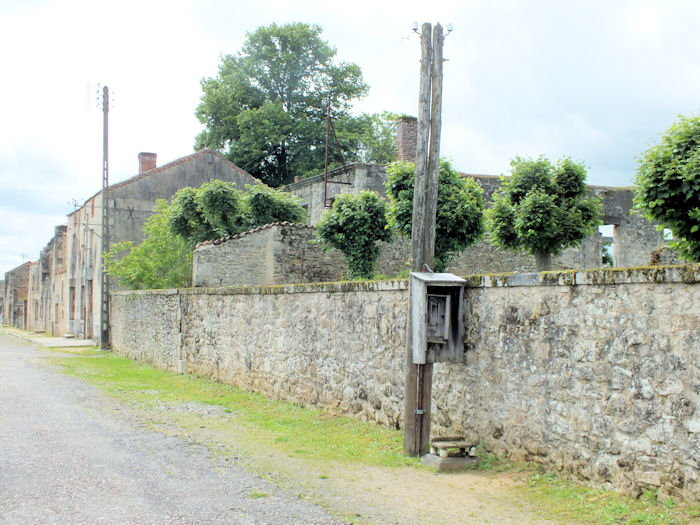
(293, 429)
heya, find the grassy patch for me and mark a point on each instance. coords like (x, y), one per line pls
(87, 351)
(288, 427)
(324, 439)
(567, 502)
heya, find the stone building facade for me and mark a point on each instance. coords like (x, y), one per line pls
(17, 296)
(130, 203)
(61, 293)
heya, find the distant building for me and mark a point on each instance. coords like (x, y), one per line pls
(17, 295)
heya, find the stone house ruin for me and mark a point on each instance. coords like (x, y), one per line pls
(16, 296)
(634, 238)
(63, 289)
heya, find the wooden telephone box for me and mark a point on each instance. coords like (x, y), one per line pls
(437, 323)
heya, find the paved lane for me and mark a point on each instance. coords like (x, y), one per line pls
(66, 456)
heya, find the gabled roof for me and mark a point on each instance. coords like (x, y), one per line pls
(169, 165)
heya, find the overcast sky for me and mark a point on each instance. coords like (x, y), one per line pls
(594, 80)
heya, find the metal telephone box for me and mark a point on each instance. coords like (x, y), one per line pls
(437, 324)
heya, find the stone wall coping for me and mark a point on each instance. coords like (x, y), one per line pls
(332, 287)
(687, 274)
(287, 224)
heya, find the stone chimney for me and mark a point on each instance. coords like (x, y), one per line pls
(406, 138)
(147, 162)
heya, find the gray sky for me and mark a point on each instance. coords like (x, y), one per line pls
(594, 80)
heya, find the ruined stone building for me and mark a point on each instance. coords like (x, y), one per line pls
(61, 293)
(634, 238)
(16, 296)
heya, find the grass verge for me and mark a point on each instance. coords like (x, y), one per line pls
(285, 426)
(311, 433)
(567, 502)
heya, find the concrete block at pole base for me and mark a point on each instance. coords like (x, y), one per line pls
(449, 464)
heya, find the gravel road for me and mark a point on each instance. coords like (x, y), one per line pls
(67, 456)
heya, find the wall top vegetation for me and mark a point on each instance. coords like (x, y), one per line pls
(685, 274)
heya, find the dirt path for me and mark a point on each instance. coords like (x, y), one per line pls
(359, 493)
(69, 455)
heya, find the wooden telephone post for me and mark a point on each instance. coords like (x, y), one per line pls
(419, 377)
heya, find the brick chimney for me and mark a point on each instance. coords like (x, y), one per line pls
(147, 162)
(406, 138)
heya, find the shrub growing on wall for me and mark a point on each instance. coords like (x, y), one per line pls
(267, 205)
(217, 209)
(668, 185)
(354, 225)
(460, 208)
(543, 208)
(162, 260)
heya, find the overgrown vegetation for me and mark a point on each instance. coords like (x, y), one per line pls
(566, 502)
(162, 260)
(667, 187)
(354, 225)
(543, 208)
(215, 209)
(460, 206)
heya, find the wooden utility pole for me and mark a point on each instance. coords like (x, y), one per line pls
(419, 377)
(104, 293)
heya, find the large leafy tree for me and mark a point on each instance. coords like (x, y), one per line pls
(668, 185)
(543, 208)
(459, 221)
(354, 225)
(266, 108)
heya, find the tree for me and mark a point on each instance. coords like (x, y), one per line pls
(377, 138)
(543, 208)
(460, 207)
(668, 185)
(267, 205)
(266, 108)
(162, 260)
(354, 225)
(217, 209)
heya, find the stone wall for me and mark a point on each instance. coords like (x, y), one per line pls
(594, 374)
(284, 253)
(634, 238)
(280, 253)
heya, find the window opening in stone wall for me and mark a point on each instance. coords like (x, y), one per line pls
(607, 240)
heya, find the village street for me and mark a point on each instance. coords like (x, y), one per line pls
(68, 456)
